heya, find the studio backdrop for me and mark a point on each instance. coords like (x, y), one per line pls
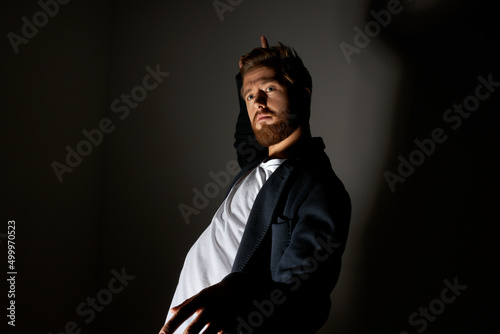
(117, 122)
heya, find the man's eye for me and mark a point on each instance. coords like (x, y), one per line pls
(249, 97)
(270, 89)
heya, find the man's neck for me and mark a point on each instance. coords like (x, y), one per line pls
(285, 148)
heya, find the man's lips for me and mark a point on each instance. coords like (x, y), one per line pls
(262, 117)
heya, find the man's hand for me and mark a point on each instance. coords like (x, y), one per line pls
(264, 44)
(216, 306)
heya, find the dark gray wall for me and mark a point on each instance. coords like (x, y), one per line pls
(118, 209)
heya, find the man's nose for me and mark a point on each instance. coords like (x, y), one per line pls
(260, 100)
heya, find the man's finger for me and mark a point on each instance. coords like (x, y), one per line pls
(263, 42)
(212, 330)
(198, 323)
(163, 330)
(181, 312)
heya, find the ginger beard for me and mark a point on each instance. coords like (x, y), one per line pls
(279, 130)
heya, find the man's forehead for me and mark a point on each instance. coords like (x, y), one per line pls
(260, 79)
(258, 75)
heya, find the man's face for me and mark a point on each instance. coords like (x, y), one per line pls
(268, 107)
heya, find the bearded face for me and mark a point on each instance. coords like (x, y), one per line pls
(268, 105)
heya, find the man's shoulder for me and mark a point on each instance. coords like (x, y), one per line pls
(312, 167)
(311, 157)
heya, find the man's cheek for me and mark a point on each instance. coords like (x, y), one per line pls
(251, 115)
(249, 111)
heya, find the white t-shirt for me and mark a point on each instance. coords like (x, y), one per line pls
(211, 257)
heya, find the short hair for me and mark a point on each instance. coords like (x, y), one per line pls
(284, 60)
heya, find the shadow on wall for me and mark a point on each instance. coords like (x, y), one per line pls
(428, 256)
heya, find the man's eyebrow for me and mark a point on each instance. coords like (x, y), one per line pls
(262, 81)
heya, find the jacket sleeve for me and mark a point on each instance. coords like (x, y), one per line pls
(310, 265)
(248, 149)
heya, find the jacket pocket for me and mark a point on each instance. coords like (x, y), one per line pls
(281, 233)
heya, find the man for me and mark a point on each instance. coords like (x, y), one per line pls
(271, 256)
